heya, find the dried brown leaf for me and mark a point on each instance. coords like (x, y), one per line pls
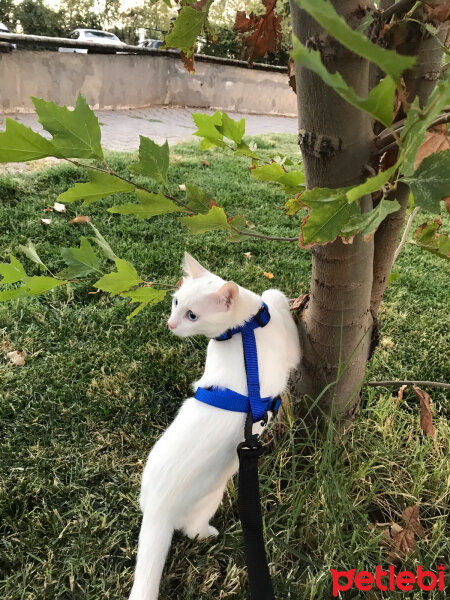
(268, 275)
(447, 203)
(435, 141)
(300, 302)
(17, 358)
(400, 393)
(439, 12)
(426, 417)
(263, 31)
(205, 163)
(45, 221)
(248, 255)
(188, 62)
(80, 219)
(402, 542)
(411, 517)
(48, 209)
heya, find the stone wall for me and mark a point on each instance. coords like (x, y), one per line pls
(115, 81)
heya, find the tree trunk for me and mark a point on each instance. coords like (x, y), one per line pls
(419, 81)
(336, 140)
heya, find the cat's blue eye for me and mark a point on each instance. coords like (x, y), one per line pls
(191, 316)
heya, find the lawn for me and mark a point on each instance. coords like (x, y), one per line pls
(78, 419)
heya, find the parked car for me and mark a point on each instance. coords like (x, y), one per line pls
(4, 29)
(150, 43)
(91, 35)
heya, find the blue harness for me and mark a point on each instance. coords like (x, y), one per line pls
(228, 399)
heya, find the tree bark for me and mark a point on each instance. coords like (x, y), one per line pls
(336, 141)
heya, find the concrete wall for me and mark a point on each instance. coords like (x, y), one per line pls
(111, 81)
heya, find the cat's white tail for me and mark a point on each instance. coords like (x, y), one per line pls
(154, 541)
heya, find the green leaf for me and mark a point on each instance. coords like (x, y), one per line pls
(329, 212)
(324, 13)
(292, 182)
(380, 100)
(431, 182)
(76, 133)
(293, 205)
(243, 149)
(231, 129)
(367, 223)
(30, 252)
(39, 284)
(214, 219)
(272, 172)
(428, 238)
(418, 121)
(100, 240)
(372, 184)
(187, 27)
(153, 160)
(240, 223)
(206, 129)
(100, 186)
(19, 143)
(145, 296)
(150, 205)
(196, 199)
(80, 261)
(119, 281)
(12, 272)
(13, 293)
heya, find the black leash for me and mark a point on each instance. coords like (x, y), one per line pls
(249, 505)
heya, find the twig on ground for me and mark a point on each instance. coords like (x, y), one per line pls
(436, 384)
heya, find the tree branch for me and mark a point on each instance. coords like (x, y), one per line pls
(265, 237)
(438, 384)
(405, 233)
(399, 9)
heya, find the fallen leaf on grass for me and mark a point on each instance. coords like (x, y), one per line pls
(61, 208)
(426, 417)
(48, 209)
(411, 517)
(80, 219)
(17, 358)
(205, 163)
(300, 303)
(182, 187)
(447, 203)
(268, 275)
(248, 255)
(400, 393)
(400, 539)
(45, 221)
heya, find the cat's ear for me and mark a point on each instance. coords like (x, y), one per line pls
(192, 267)
(225, 296)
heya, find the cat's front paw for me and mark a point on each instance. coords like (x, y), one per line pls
(210, 532)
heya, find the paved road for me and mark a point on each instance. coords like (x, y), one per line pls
(121, 128)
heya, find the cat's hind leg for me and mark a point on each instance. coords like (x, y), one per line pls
(196, 521)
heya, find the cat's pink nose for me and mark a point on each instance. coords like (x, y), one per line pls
(170, 325)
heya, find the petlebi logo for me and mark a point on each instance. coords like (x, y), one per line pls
(384, 580)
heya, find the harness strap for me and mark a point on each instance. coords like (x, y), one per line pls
(249, 451)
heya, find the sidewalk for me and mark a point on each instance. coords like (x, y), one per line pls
(121, 128)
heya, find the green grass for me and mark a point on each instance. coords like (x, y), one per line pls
(77, 421)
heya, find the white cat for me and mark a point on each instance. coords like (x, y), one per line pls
(189, 466)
